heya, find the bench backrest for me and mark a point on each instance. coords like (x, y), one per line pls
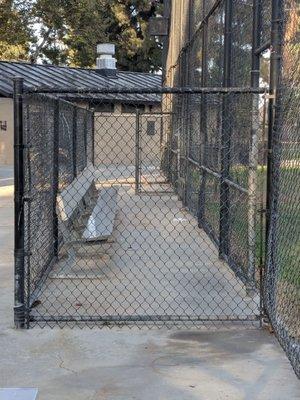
(71, 198)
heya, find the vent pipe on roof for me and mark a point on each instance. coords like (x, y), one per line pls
(106, 63)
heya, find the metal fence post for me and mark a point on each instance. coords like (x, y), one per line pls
(203, 127)
(274, 122)
(253, 151)
(187, 117)
(137, 152)
(226, 137)
(93, 137)
(74, 142)
(55, 174)
(19, 235)
(86, 126)
(275, 65)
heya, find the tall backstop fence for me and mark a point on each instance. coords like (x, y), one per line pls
(256, 42)
(282, 274)
(176, 206)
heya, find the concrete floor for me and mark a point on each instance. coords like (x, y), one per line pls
(6, 175)
(158, 264)
(84, 364)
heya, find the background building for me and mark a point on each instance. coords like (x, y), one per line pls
(56, 78)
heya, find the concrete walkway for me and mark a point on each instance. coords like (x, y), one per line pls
(6, 175)
(84, 364)
(158, 264)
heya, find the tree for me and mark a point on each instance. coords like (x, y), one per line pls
(137, 50)
(15, 32)
(71, 29)
(66, 32)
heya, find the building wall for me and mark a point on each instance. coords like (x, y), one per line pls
(178, 37)
(6, 132)
(115, 137)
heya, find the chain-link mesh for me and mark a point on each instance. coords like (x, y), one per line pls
(241, 52)
(39, 182)
(265, 21)
(214, 64)
(130, 245)
(210, 145)
(65, 144)
(282, 280)
(53, 158)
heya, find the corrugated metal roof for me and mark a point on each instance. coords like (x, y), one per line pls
(76, 79)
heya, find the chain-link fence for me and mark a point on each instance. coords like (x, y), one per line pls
(215, 167)
(169, 206)
(282, 278)
(119, 240)
(57, 136)
(236, 43)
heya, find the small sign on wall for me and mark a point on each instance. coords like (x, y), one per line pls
(151, 128)
(3, 125)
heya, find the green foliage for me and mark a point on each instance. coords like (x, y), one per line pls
(136, 49)
(14, 30)
(67, 31)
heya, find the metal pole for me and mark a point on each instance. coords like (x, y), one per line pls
(74, 142)
(85, 136)
(253, 152)
(55, 175)
(153, 90)
(225, 137)
(19, 252)
(203, 127)
(255, 69)
(275, 65)
(171, 125)
(137, 152)
(252, 190)
(93, 137)
(187, 112)
(274, 128)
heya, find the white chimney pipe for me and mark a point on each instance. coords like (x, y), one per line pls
(106, 63)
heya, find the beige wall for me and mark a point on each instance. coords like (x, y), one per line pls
(115, 136)
(6, 136)
(177, 38)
